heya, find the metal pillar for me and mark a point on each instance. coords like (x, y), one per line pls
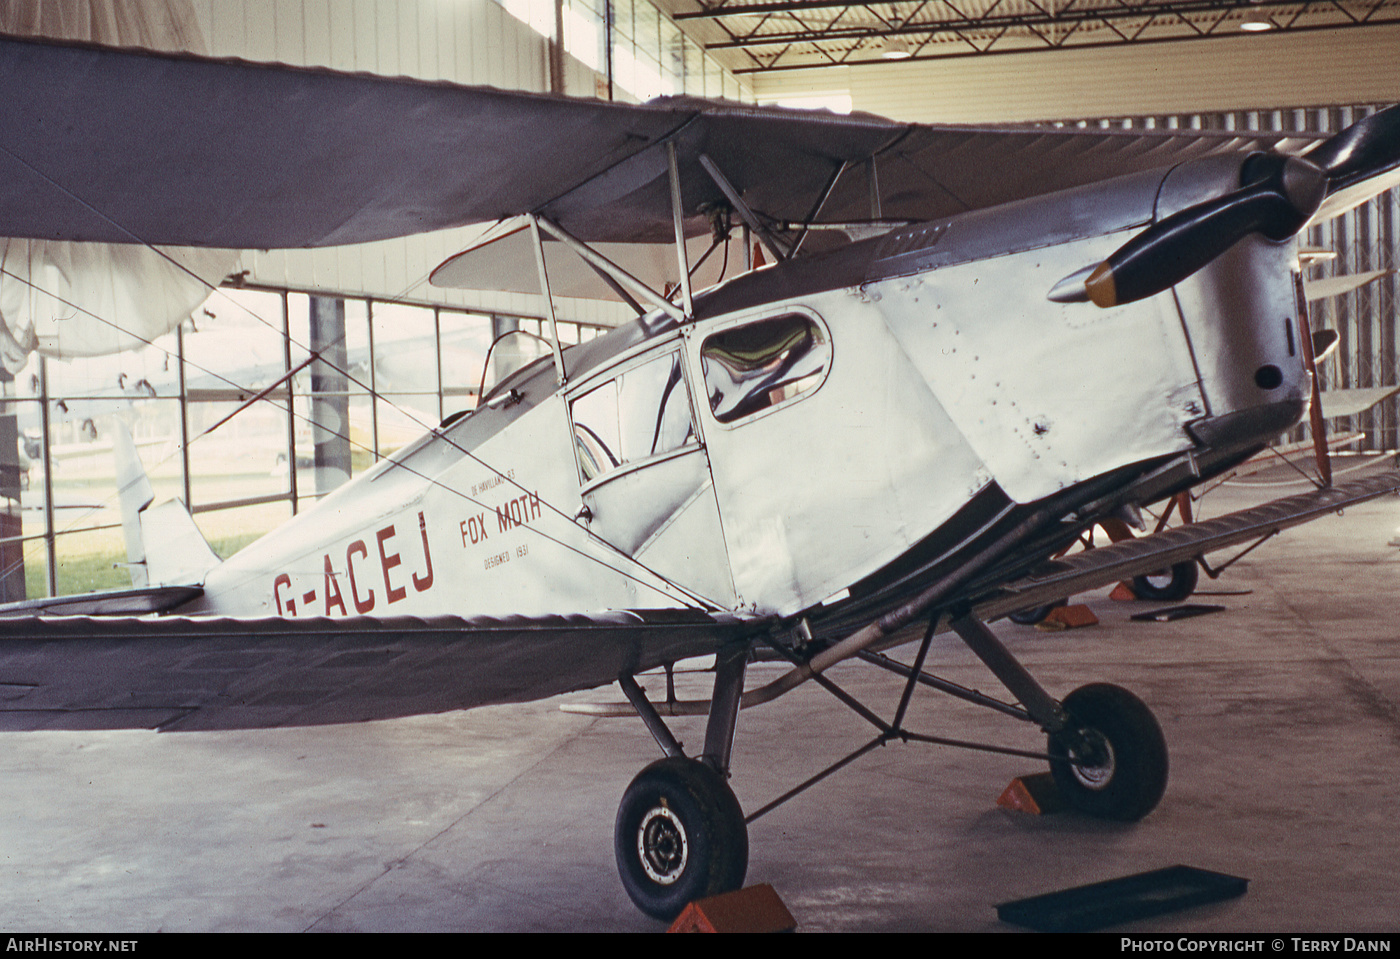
(330, 398)
(11, 524)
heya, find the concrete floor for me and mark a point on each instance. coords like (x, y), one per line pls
(1282, 715)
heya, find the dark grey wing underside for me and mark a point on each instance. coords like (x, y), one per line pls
(126, 146)
(179, 673)
(131, 146)
(1091, 569)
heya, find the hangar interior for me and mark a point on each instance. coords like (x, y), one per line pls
(185, 369)
(418, 350)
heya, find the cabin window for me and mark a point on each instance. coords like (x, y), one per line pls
(760, 365)
(643, 412)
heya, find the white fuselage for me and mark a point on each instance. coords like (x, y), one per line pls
(932, 367)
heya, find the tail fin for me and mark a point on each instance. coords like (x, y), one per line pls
(181, 556)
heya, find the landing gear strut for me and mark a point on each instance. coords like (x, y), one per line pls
(680, 832)
(1107, 754)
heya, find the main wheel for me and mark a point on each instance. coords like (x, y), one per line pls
(1168, 585)
(680, 836)
(1120, 768)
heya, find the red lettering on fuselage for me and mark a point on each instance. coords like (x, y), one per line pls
(290, 608)
(333, 597)
(518, 511)
(361, 605)
(364, 603)
(388, 561)
(473, 528)
(420, 583)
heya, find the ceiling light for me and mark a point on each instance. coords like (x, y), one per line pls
(1256, 23)
(895, 49)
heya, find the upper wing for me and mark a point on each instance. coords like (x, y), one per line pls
(185, 673)
(1147, 554)
(132, 146)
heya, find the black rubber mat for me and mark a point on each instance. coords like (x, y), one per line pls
(1102, 904)
(1177, 612)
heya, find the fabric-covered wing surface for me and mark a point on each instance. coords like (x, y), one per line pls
(1147, 554)
(181, 673)
(125, 146)
(130, 146)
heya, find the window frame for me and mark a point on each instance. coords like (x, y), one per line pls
(771, 313)
(672, 346)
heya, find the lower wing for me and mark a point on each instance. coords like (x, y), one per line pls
(1093, 568)
(186, 673)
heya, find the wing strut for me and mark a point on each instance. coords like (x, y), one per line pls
(745, 211)
(817, 207)
(678, 221)
(548, 302)
(595, 259)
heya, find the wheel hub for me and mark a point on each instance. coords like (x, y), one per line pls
(1093, 765)
(662, 846)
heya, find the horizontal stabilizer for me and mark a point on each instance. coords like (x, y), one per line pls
(108, 602)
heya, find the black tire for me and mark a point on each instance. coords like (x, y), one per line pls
(680, 836)
(1029, 617)
(1168, 585)
(1128, 755)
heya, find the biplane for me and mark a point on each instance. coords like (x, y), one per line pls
(862, 436)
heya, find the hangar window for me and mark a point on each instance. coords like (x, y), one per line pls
(760, 365)
(642, 413)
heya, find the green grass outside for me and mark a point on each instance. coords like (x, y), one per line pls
(92, 565)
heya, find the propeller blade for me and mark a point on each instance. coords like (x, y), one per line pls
(1367, 149)
(1279, 195)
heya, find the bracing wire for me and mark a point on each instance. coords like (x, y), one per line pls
(344, 372)
(346, 437)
